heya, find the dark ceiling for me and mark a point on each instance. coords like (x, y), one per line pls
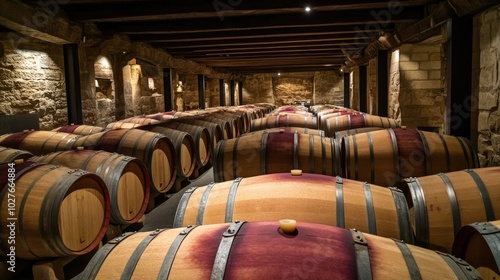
(254, 36)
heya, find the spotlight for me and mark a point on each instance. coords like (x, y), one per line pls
(307, 9)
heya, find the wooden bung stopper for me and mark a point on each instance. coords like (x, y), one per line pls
(80, 148)
(282, 130)
(403, 127)
(25, 130)
(19, 161)
(72, 123)
(287, 225)
(296, 172)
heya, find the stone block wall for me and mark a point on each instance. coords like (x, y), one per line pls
(324, 87)
(354, 88)
(394, 110)
(422, 93)
(32, 81)
(328, 88)
(487, 46)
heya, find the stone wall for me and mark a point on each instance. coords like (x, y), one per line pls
(32, 81)
(320, 87)
(354, 89)
(105, 91)
(422, 93)
(328, 88)
(394, 110)
(487, 47)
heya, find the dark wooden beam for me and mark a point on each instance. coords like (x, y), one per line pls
(231, 91)
(167, 90)
(458, 76)
(72, 75)
(347, 90)
(363, 87)
(191, 10)
(240, 92)
(222, 93)
(201, 91)
(382, 84)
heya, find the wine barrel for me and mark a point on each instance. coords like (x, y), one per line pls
(59, 211)
(126, 178)
(443, 203)
(304, 130)
(383, 157)
(153, 149)
(275, 152)
(479, 245)
(262, 250)
(165, 116)
(344, 122)
(185, 149)
(284, 120)
(80, 129)
(228, 126)
(39, 142)
(242, 119)
(236, 128)
(323, 116)
(141, 120)
(10, 155)
(201, 138)
(123, 125)
(311, 198)
(349, 132)
(216, 133)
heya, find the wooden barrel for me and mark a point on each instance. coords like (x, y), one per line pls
(58, 211)
(80, 129)
(126, 178)
(141, 120)
(201, 138)
(39, 142)
(228, 126)
(383, 157)
(242, 119)
(284, 120)
(234, 123)
(153, 149)
(123, 125)
(443, 203)
(349, 132)
(479, 245)
(311, 198)
(165, 116)
(216, 132)
(185, 149)
(275, 152)
(304, 130)
(344, 122)
(261, 250)
(10, 155)
(322, 117)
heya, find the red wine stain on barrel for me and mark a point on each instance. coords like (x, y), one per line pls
(357, 121)
(412, 160)
(316, 252)
(279, 152)
(68, 128)
(15, 139)
(109, 141)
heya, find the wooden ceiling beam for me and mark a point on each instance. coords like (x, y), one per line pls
(221, 10)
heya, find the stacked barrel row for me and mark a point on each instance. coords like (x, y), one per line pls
(385, 157)
(71, 182)
(316, 247)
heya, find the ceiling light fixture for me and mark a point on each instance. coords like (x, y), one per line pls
(308, 9)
